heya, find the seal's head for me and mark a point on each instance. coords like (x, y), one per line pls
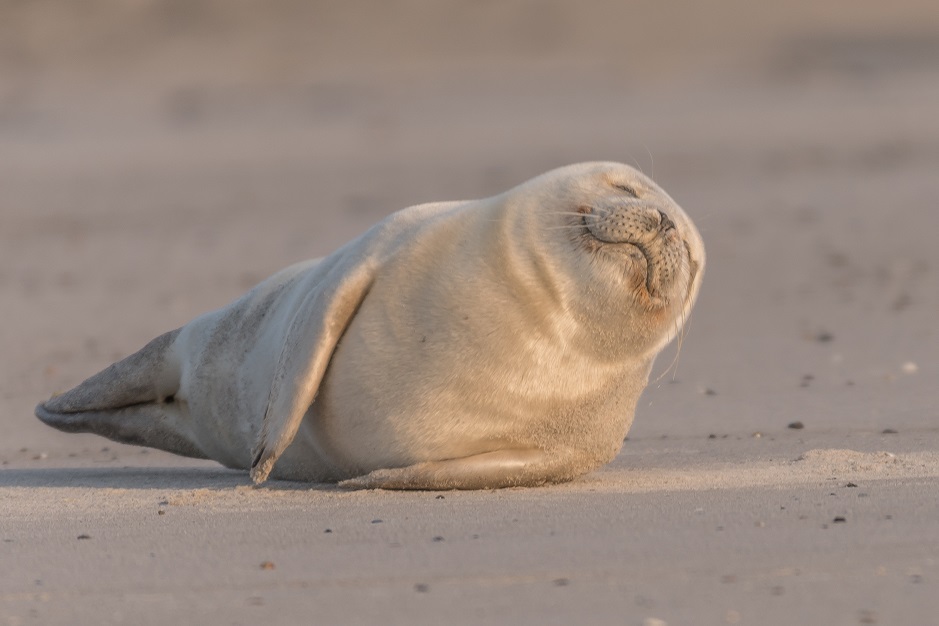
(634, 249)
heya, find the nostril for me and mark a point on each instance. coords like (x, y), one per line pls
(665, 223)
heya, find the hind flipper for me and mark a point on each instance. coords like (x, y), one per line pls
(145, 376)
(130, 401)
(153, 425)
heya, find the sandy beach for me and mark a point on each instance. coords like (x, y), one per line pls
(157, 159)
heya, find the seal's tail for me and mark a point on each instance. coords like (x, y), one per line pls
(131, 401)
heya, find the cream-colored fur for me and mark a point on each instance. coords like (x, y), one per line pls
(477, 344)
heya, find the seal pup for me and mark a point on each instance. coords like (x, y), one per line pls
(460, 345)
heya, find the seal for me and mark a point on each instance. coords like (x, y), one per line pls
(460, 345)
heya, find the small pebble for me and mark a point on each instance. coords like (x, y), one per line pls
(376, 521)
(888, 431)
(851, 485)
(839, 520)
(796, 425)
(824, 337)
(438, 538)
(421, 588)
(84, 536)
(561, 582)
(161, 512)
(267, 565)
(438, 498)
(328, 530)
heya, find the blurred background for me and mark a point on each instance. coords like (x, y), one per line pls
(157, 158)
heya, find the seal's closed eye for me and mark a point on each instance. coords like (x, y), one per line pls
(629, 190)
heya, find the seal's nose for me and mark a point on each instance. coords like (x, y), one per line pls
(665, 223)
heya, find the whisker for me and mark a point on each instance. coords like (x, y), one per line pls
(651, 162)
(636, 161)
(685, 275)
(564, 227)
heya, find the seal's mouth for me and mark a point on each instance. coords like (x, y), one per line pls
(644, 241)
(639, 258)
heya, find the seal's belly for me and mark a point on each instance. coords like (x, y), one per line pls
(429, 406)
(359, 438)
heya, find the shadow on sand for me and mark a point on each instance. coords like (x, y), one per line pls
(219, 479)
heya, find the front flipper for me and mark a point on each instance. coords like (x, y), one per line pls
(311, 338)
(489, 470)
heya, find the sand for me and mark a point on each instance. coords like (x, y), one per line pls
(157, 159)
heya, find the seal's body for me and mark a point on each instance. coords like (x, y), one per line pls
(477, 344)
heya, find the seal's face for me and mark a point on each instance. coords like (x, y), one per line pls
(629, 221)
(623, 252)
